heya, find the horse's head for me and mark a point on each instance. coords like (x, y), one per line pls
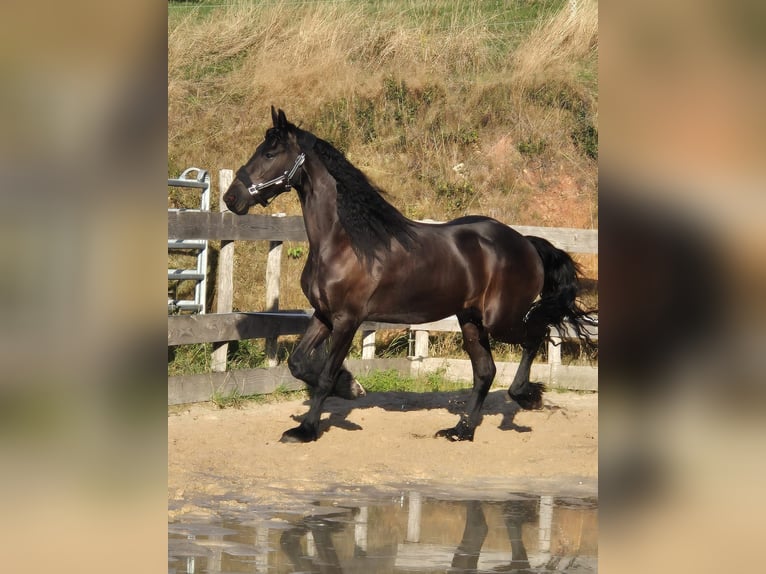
(274, 168)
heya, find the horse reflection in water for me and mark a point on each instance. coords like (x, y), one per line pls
(515, 514)
(325, 559)
(367, 261)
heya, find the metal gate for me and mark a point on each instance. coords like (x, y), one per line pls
(195, 248)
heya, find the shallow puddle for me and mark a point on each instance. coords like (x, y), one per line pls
(409, 531)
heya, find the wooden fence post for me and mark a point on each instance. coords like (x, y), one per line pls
(224, 276)
(554, 353)
(413, 516)
(421, 344)
(263, 546)
(545, 525)
(368, 344)
(273, 274)
(360, 528)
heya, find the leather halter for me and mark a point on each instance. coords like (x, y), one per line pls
(255, 189)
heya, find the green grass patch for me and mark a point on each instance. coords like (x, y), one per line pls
(237, 400)
(180, 9)
(189, 359)
(231, 400)
(393, 381)
(196, 359)
(216, 66)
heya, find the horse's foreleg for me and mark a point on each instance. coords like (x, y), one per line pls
(476, 344)
(301, 363)
(342, 337)
(309, 357)
(347, 387)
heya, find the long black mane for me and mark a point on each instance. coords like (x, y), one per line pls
(370, 221)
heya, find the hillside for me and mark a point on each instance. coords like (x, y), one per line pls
(451, 107)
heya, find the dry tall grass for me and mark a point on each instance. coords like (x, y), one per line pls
(452, 107)
(558, 47)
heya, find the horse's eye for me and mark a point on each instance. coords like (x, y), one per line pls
(269, 155)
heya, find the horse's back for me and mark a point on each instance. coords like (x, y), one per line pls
(499, 240)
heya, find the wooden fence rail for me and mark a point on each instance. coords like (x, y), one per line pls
(211, 225)
(224, 326)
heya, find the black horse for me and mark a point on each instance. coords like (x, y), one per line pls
(367, 261)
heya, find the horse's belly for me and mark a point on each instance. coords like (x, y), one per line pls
(410, 317)
(412, 302)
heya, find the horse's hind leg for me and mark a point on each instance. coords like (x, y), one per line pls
(529, 395)
(476, 344)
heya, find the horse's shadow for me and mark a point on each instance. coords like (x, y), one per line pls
(496, 403)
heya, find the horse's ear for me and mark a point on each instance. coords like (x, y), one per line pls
(274, 117)
(281, 121)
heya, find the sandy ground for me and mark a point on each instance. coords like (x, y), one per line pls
(381, 439)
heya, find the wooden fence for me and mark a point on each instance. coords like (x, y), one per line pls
(224, 325)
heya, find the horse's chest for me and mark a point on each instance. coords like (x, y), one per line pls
(313, 286)
(328, 284)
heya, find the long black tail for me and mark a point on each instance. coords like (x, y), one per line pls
(558, 305)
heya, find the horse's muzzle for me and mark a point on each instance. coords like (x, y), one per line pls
(230, 198)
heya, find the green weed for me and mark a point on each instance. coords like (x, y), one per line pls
(585, 136)
(296, 252)
(456, 196)
(532, 147)
(231, 400)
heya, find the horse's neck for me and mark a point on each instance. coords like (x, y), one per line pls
(319, 204)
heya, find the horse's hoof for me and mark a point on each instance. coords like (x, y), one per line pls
(298, 434)
(357, 389)
(529, 404)
(456, 434)
(348, 388)
(532, 400)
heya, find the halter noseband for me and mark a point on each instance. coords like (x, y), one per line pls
(284, 179)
